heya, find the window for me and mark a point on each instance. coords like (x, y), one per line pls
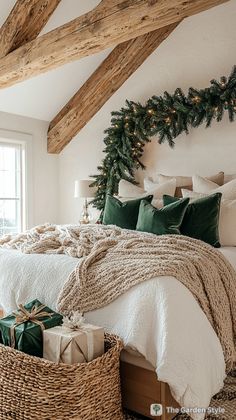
(11, 187)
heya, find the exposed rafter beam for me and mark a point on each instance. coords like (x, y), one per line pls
(24, 23)
(110, 23)
(101, 85)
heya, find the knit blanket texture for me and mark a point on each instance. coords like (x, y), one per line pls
(114, 260)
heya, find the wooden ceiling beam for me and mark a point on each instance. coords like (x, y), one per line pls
(24, 23)
(120, 64)
(110, 23)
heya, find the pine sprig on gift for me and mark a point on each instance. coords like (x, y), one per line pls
(164, 116)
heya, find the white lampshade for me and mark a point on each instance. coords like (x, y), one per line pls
(83, 190)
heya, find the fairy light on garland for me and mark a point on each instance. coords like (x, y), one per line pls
(167, 117)
(196, 99)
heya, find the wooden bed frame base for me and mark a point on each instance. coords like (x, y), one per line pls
(140, 389)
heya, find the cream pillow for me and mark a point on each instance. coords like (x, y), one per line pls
(227, 221)
(228, 178)
(203, 185)
(186, 181)
(156, 202)
(191, 194)
(128, 190)
(181, 181)
(158, 190)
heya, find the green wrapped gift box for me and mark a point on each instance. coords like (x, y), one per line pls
(23, 329)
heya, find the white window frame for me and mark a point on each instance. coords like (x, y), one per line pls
(25, 140)
(21, 199)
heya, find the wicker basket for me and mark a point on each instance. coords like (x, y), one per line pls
(33, 388)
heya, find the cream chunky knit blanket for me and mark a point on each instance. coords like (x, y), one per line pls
(114, 260)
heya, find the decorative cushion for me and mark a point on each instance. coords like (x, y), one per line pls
(228, 178)
(227, 224)
(193, 195)
(203, 185)
(124, 215)
(227, 220)
(201, 218)
(158, 190)
(186, 181)
(156, 202)
(161, 221)
(128, 190)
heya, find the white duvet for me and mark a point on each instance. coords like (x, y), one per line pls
(159, 318)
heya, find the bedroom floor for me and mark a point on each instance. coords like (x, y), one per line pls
(225, 399)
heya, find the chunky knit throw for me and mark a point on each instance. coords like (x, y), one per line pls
(114, 260)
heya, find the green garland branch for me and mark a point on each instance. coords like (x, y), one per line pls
(164, 116)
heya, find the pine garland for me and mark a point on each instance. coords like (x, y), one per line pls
(166, 116)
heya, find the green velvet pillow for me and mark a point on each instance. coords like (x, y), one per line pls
(166, 220)
(124, 215)
(201, 218)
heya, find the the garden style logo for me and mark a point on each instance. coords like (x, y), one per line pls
(156, 409)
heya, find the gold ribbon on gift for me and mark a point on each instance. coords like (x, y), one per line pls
(23, 315)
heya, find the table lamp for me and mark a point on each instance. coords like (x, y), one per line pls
(83, 190)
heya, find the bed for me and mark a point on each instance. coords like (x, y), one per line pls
(167, 337)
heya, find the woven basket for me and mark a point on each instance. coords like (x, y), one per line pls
(33, 388)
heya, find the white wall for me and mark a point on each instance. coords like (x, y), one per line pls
(201, 48)
(43, 186)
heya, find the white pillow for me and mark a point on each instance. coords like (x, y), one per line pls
(203, 185)
(149, 184)
(158, 190)
(181, 181)
(191, 194)
(127, 189)
(228, 178)
(186, 181)
(156, 202)
(227, 221)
